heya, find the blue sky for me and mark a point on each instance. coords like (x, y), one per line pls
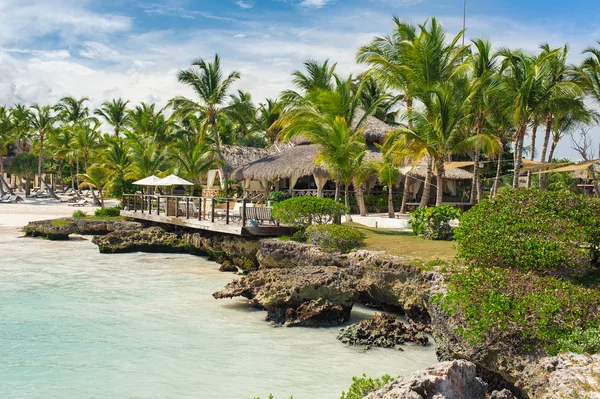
(133, 49)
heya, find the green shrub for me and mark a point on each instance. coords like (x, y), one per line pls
(433, 223)
(301, 212)
(79, 214)
(108, 212)
(362, 386)
(524, 309)
(335, 237)
(556, 233)
(278, 196)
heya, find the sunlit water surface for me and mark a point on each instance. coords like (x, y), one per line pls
(78, 324)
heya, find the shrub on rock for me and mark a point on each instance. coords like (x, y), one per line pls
(334, 237)
(433, 223)
(555, 233)
(107, 212)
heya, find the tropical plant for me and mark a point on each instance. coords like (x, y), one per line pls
(24, 164)
(97, 178)
(42, 122)
(20, 119)
(301, 212)
(433, 223)
(335, 237)
(114, 113)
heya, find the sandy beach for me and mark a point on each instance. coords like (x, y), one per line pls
(19, 214)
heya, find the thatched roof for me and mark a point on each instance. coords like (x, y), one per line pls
(293, 161)
(375, 129)
(236, 156)
(420, 171)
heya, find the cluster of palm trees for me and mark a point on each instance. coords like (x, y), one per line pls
(446, 100)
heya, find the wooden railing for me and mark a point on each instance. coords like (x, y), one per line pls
(229, 210)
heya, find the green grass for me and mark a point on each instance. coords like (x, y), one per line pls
(103, 218)
(61, 223)
(406, 244)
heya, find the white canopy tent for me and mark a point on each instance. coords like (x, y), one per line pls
(173, 180)
(147, 181)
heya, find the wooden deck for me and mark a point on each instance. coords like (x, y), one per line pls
(220, 221)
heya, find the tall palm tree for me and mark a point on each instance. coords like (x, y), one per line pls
(20, 118)
(147, 158)
(242, 112)
(318, 76)
(267, 116)
(212, 89)
(116, 157)
(24, 164)
(42, 122)
(589, 72)
(97, 178)
(192, 157)
(114, 113)
(59, 144)
(86, 140)
(5, 140)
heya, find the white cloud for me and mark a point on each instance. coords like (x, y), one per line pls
(239, 36)
(245, 4)
(314, 3)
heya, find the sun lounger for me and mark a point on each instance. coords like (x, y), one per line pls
(82, 202)
(12, 199)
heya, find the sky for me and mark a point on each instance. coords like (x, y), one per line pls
(133, 49)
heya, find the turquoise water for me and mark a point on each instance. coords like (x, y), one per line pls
(78, 324)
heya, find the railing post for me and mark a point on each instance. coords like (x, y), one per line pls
(203, 205)
(177, 207)
(142, 199)
(227, 211)
(244, 212)
(200, 208)
(187, 207)
(135, 203)
(149, 205)
(167, 206)
(212, 212)
(158, 205)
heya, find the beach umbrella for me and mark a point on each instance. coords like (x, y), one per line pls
(147, 181)
(173, 180)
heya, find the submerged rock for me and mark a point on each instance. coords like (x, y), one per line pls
(152, 239)
(457, 380)
(381, 331)
(301, 296)
(60, 229)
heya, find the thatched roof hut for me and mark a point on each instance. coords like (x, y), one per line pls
(236, 156)
(374, 129)
(420, 171)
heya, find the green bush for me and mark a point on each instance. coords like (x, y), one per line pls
(301, 212)
(79, 214)
(108, 212)
(433, 223)
(362, 386)
(278, 196)
(556, 233)
(335, 237)
(524, 309)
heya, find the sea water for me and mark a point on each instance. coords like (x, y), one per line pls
(78, 324)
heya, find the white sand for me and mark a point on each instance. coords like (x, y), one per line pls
(19, 214)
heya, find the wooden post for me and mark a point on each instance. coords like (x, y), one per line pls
(200, 208)
(135, 203)
(142, 199)
(149, 205)
(187, 208)
(212, 213)
(203, 208)
(227, 211)
(177, 207)
(167, 206)
(158, 205)
(244, 212)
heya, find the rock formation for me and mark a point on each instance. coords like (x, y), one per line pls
(60, 229)
(382, 330)
(456, 379)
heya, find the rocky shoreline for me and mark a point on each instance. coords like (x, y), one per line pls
(300, 285)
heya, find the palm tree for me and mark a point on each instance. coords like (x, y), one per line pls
(192, 157)
(5, 140)
(242, 112)
(211, 88)
(114, 113)
(116, 157)
(387, 169)
(145, 121)
(147, 158)
(97, 178)
(20, 118)
(25, 165)
(59, 144)
(86, 140)
(267, 116)
(318, 76)
(42, 121)
(589, 72)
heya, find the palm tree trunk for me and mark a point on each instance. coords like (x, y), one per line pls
(532, 157)
(77, 171)
(594, 181)
(405, 194)
(72, 176)
(27, 185)
(497, 178)
(94, 198)
(101, 197)
(551, 154)
(337, 190)
(543, 179)
(60, 174)
(518, 155)
(222, 170)
(40, 159)
(439, 198)
(475, 181)
(347, 201)
(360, 198)
(427, 185)
(391, 213)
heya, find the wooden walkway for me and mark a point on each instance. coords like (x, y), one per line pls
(228, 217)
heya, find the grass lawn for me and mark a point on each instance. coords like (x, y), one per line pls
(406, 244)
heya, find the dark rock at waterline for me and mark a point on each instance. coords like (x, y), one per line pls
(302, 296)
(503, 394)
(60, 229)
(382, 330)
(456, 379)
(152, 239)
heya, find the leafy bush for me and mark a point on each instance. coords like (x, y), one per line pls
(79, 214)
(361, 386)
(335, 237)
(278, 196)
(433, 223)
(524, 309)
(301, 212)
(556, 233)
(108, 212)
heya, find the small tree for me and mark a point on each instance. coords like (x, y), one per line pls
(25, 165)
(96, 178)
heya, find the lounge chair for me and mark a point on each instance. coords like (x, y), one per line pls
(82, 202)
(12, 199)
